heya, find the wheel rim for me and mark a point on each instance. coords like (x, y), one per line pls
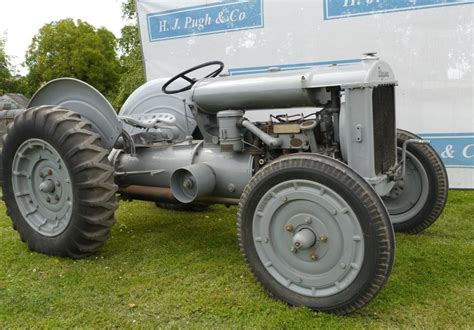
(308, 238)
(409, 195)
(42, 187)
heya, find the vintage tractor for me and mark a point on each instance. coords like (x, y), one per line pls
(317, 193)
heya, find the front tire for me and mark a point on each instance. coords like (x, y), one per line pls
(315, 234)
(58, 184)
(417, 201)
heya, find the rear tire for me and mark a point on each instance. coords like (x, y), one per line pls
(416, 203)
(58, 184)
(315, 234)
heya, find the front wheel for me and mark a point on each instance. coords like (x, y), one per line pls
(417, 200)
(315, 234)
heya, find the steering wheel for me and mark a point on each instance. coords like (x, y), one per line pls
(192, 81)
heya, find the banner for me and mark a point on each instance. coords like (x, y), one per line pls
(348, 8)
(428, 43)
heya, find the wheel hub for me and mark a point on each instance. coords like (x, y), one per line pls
(42, 187)
(304, 239)
(46, 187)
(308, 238)
(409, 195)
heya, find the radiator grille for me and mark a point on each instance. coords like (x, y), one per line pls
(383, 102)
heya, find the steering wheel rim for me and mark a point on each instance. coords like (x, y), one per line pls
(192, 81)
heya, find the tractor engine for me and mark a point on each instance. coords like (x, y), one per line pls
(349, 115)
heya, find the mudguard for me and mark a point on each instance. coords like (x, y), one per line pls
(84, 99)
(149, 100)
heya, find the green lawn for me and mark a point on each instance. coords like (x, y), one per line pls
(163, 268)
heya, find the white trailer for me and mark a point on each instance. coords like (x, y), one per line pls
(429, 43)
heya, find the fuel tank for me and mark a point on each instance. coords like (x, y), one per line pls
(287, 89)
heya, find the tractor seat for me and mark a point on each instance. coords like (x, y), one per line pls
(148, 121)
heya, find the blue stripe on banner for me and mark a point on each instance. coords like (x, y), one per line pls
(219, 17)
(348, 8)
(287, 67)
(455, 149)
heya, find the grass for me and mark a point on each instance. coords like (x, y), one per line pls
(163, 268)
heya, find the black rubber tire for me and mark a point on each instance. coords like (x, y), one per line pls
(183, 207)
(438, 185)
(379, 248)
(94, 201)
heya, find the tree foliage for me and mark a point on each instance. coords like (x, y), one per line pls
(131, 59)
(8, 82)
(76, 49)
(4, 67)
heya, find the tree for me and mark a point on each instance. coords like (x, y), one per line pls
(76, 49)
(131, 59)
(8, 82)
(4, 68)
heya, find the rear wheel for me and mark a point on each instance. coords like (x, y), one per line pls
(417, 201)
(58, 184)
(315, 234)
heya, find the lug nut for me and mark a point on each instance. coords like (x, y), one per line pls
(50, 172)
(289, 227)
(323, 238)
(314, 256)
(308, 220)
(41, 175)
(293, 249)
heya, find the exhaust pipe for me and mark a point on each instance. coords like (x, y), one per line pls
(164, 195)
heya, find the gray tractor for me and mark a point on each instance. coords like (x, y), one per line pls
(319, 190)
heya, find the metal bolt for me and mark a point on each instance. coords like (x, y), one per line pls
(290, 227)
(50, 172)
(188, 184)
(293, 249)
(41, 175)
(308, 220)
(323, 238)
(314, 256)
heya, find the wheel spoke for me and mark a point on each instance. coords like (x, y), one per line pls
(190, 80)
